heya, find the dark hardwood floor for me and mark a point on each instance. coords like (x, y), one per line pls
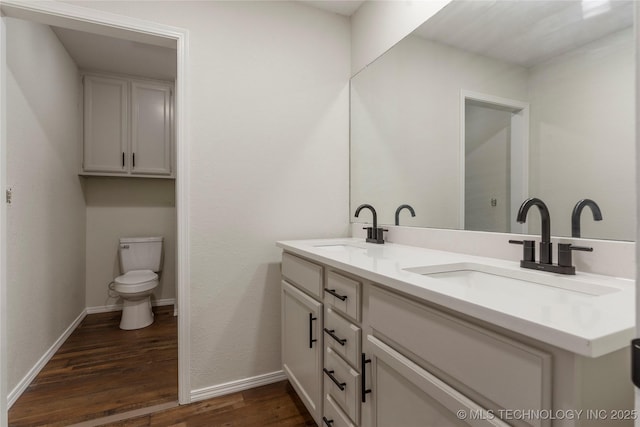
(102, 371)
(271, 405)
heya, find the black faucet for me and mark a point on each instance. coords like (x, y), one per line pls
(374, 234)
(545, 243)
(413, 213)
(577, 211)
(564, 265)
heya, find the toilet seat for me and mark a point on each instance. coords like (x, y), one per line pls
(136, 281)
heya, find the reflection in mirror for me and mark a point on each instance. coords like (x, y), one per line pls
(489, 103)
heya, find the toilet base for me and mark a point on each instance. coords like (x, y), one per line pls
(136, 314)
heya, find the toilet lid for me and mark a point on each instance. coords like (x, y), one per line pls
(135, 277)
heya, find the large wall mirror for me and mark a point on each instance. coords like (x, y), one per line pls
(491, 102)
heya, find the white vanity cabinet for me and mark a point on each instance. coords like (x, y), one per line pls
(409, 396)
(302, 337)
(128, 127)
(342, 361)
(393, 359)
(454, 371)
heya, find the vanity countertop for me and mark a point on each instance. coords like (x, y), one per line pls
(589, 325)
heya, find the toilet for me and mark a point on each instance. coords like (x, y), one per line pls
(140, 262)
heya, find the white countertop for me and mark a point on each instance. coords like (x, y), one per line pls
(585, 324)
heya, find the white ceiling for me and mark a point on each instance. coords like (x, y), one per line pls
(109, 54)
(97, 52)
(342, 7)
(526, 32)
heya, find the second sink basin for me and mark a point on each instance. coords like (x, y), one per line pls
(481, 276)
(338, 247)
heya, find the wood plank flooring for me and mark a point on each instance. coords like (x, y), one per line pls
(271, 405)
(102, 371)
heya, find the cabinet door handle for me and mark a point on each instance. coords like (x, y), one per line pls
(327, 422)
(123, 159)
(335, 294)
(340, 385)
(311, 339)
(134, 160)
(364, 390)
(330, 332)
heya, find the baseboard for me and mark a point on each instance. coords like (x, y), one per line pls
(118, 307)
(235, 386)
(35, 370)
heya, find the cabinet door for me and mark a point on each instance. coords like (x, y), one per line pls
(404, 394)
(151, 128)
(302, 346)
(105, 124)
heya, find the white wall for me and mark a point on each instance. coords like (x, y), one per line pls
(583, 98)
(378, 25)
(46, 220)
(269, 115)
(127, 207)
(405, 127)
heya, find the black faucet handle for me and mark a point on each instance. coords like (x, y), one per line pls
(564, 253)
(528, 249)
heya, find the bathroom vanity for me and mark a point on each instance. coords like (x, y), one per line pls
(393, 335)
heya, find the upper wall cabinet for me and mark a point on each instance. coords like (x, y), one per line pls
(128, 127)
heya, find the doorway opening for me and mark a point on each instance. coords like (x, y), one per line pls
(74, 18)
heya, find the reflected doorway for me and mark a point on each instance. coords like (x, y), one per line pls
(494, 140)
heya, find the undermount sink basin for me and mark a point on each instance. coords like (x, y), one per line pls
(339, 247)
(480, 276)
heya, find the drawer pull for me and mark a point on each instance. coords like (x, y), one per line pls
(311, 339)
(327, 422)
(330, 332)
(340, 385)
(364, 390)
(335, 294)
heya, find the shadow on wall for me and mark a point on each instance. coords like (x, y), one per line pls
(257, 350)
(127, 207)
(129, 192)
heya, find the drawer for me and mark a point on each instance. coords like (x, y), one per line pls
(343, 294)
(333, 415)
(486, 362)
(304, 274)
(342, 383)
(343, 337)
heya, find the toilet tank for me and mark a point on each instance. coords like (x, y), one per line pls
(140, 253)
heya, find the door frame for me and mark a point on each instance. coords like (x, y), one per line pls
(91, 20)
(519, 157)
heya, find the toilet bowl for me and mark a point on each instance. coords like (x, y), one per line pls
(140, 260)
(135, 288)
